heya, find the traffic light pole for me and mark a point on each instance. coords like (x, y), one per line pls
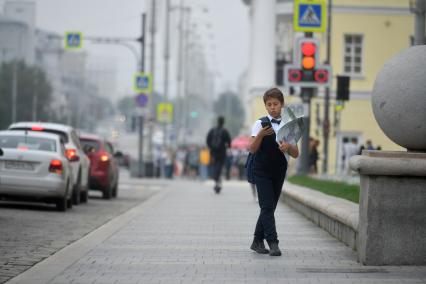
(306, 95)
(326, 122)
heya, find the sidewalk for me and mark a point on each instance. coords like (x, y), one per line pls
(187, 234)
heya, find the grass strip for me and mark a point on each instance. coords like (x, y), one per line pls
(339, 189)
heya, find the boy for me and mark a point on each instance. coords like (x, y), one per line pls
(270, 166)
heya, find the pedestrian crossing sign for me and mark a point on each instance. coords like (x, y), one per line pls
(165, 112)
(73, 40)
(143, 83)
(309, 15)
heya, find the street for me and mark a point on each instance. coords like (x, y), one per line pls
(30, 232)
(187, 234)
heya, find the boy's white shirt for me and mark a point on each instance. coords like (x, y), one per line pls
(257, 126)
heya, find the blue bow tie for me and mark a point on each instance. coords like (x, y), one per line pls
(275, 121)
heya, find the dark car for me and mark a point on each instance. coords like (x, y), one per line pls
(104, 168)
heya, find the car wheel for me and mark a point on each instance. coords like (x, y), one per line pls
(69, 203)
(76, 191)
(107, 192)
(115, 190)
(84, 196)
(61, 204)
(69, 200)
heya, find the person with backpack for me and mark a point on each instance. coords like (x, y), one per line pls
(218, 140)
(268, 162)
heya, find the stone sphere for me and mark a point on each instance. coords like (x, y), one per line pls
(399, 98)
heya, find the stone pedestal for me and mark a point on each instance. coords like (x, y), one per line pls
(392, 213)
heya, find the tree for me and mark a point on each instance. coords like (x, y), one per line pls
(126, 105)
(31, 83)
(230, 106)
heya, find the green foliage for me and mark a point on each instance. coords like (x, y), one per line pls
(30, 81)
(339, 189)
(126, 105)
(231, 107)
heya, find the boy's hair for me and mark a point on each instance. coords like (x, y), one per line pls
(273, 93)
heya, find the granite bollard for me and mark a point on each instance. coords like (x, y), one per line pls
(392, 213)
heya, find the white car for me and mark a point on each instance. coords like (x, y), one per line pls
(34, 166)
(80, 163)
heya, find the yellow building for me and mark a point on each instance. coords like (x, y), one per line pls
(364, 35)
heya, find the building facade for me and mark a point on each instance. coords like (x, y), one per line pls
(72, 93)
(364, 35)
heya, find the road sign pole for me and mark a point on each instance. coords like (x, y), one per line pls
(303, 169)
(326, 122)
(149, 169)
(141, 117)
(140, 147)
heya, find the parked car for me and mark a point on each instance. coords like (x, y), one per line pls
(122, 159)
(104, 168)
(33, 166)
(80, 163)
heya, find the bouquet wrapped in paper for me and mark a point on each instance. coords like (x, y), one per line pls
(291, 127)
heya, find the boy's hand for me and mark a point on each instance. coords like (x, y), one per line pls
(265, 131)
(284, 146)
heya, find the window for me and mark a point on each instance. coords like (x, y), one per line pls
(109, 148)
(28, 142)
(90, 144)
(353, 55)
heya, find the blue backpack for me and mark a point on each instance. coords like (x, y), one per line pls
(250, 159)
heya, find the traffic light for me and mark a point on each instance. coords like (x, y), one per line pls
(306, 70)
(343, 88)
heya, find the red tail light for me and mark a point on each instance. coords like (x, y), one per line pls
(37, 128)
(22, 148)
(56, 167)
(104, 158)
(71, 154)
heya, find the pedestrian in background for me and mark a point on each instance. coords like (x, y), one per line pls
(313, 155)
(228, 163)
(218, 140)
(270, 167)
(351, 149)
(204, 163)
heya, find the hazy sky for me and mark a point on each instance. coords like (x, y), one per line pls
(227, 47)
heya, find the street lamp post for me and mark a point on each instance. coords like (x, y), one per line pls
(166, 66)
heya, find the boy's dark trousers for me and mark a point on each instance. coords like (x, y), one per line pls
(268, 192)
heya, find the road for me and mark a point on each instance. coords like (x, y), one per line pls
(31, 232)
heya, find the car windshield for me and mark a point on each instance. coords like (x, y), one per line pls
(27, 142)
(87, 144)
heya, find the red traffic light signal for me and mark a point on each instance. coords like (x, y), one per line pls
(294, 75)
(321, 75)
(308, 51)
(308, 48)
(306, 70)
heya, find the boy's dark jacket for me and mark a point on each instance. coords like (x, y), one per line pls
(268, 161)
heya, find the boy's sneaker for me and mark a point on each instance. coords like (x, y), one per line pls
(259, 247)
(274, 249)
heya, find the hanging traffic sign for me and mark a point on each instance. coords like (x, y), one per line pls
(309, 15)
(143, 83)
(73, 40)
(165, 112)
(141, 100)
